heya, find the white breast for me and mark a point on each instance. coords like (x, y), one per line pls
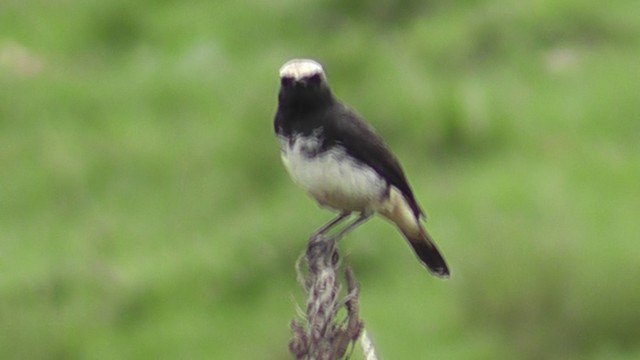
(334, 179)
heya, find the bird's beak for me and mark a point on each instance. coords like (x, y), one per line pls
(304, 82)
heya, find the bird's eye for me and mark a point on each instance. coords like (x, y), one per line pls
(315, 79)
(286, 81)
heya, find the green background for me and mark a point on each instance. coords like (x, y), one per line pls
(144, 211)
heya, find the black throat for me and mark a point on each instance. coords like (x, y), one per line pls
(300, 99)
(302, 108)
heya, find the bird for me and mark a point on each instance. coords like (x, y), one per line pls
(342, 162)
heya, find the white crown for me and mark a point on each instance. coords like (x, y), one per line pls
(300, 68)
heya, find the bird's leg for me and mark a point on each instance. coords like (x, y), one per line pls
(357, 222)
(328, 226)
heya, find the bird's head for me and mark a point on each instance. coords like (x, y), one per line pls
(303, 83)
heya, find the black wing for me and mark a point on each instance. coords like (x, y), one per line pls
(362, 142)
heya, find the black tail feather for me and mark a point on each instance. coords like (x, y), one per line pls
(430, 256)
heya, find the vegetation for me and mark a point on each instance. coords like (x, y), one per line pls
(144, 212)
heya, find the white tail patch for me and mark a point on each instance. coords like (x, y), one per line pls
(397, 209)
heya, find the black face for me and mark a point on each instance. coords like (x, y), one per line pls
(304, 93)
(314, 80)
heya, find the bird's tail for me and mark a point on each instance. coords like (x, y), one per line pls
(398, 211)
(428, 253)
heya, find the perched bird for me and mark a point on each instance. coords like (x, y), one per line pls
(341, 161)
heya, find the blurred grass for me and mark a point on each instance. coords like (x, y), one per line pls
(144, 211)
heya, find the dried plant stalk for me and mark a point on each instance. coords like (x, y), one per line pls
(321, 334)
